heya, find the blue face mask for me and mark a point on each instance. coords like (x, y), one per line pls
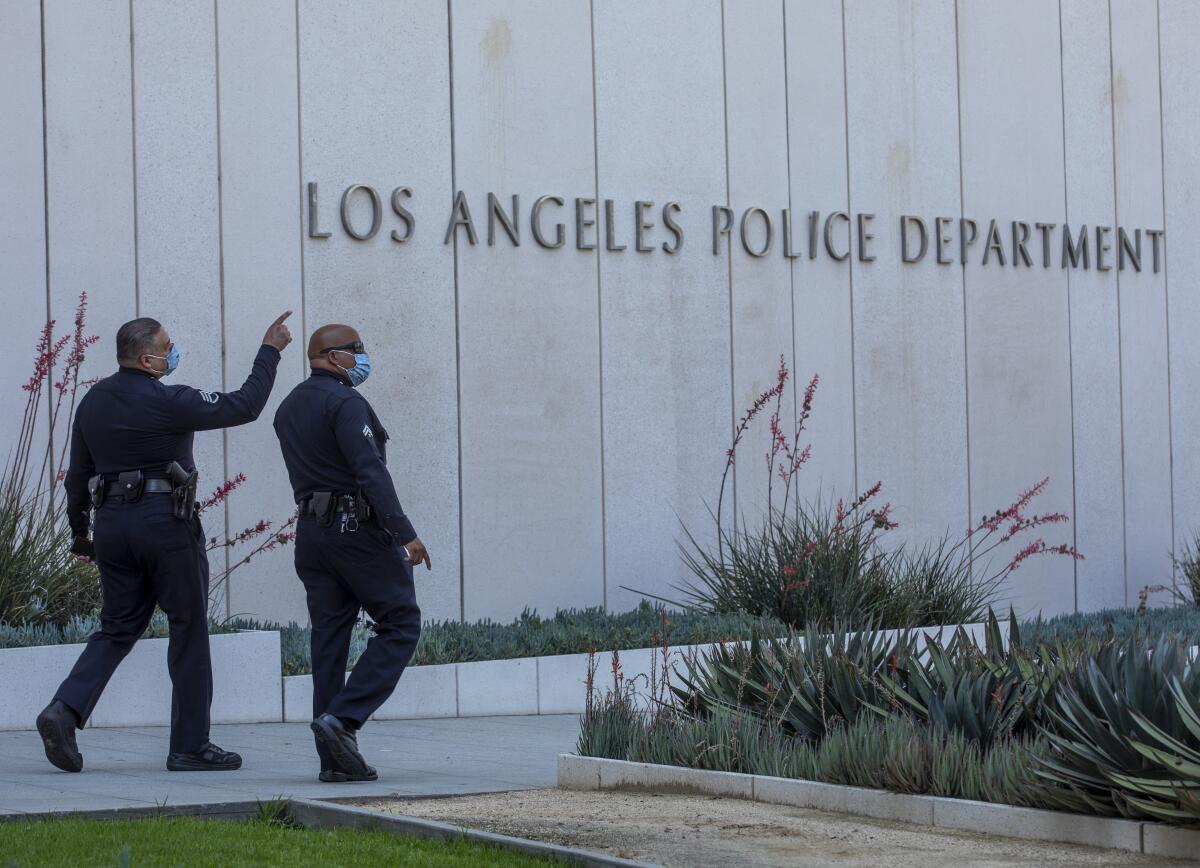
(171, 358)
(361, 370)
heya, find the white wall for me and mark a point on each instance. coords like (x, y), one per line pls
(555, 412)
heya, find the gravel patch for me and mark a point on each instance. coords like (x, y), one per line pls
(710, 832)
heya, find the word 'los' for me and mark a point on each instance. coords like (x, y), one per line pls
(837, 235)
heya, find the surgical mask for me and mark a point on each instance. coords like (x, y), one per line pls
(361, 370)
(171, 358)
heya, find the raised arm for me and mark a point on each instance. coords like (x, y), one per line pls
(196, 410)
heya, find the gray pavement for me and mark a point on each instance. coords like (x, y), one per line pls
(127, 767)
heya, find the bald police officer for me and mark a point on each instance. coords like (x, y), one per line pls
(131, 462)
(354, 546)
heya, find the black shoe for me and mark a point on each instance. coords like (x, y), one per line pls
(342, 745)
(333, 776)
(56, 725)
(209, 758)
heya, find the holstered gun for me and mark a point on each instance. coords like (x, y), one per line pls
(183, 495)
(322, 507)
(96, 491)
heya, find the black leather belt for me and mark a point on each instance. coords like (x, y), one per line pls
(343, 504)
(149, 486)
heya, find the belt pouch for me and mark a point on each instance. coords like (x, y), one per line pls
(131, 482)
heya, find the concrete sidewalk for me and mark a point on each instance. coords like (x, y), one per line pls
(127, 767)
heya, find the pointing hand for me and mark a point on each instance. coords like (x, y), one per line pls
(417, 554)
(278, 335)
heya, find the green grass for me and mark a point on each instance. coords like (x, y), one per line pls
(192, 842)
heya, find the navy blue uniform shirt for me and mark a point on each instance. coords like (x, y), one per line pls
(134, 421)
(332, 441)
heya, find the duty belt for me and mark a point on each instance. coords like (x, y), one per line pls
(116, 488)
(350, 510)
(342, 504)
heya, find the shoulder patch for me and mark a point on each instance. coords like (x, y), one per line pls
(367, 432)
(210, 397)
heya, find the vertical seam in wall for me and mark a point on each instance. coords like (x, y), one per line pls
(599, 321)
(221, 282)
(1162, 158)
(962, 211)
(137, 286)
(787, 137)
(462, 543)
(1112, 104)
(729, 267)
(1062, 91)
(300, 177)
(45, 161)
(46, 212)
(850, 257)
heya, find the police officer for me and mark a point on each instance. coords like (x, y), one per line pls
(131, 460)
(354, 546)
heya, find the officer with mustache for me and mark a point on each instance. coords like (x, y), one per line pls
(131, 464)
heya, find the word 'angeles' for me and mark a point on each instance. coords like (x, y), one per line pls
(835, 234)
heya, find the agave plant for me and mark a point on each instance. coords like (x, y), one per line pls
(807, 682)
(1124, 731)
(957, 694)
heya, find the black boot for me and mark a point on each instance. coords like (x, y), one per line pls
(339, 739)
(209, 758)
(56, 725)
(333, 776)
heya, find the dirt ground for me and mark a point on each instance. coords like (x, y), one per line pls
(712, 832)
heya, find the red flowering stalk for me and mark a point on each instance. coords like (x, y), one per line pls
(785, 457)
(49, 359)
(772, 394)
(1004, 525)
(241, 536)
(794, 457)
(222, 492)
(69, 384)
(281, 537)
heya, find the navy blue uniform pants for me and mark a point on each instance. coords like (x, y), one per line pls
(146, 557)
(342, 572)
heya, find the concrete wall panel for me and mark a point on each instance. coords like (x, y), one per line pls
(179, 249)
(23, 222)
(528, 317)
(1178, 27)
(755, 87)
(1098, 510)
(260, 244)
(823, 319)
(1018, 346)
(89, 155)
(908, 318)
(375, 109)
(665, 318)
(1137, 144)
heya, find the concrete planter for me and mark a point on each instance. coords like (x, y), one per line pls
(554, 684)
(246, 682)
(590, 773)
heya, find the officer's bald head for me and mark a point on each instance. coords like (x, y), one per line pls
(328, 336)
